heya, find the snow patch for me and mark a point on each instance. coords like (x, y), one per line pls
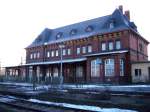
(82, 107)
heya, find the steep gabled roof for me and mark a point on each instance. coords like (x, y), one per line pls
(85, 29)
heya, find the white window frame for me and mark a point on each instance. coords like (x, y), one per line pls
(121, 67)
(48, 54)
(56, 53)
(34, 55)
(103, 46)
(31, 56)
(69, 51)
(64, 52)
(84, 49)
(109, 67)
(95, 68)
(110, 45)
(52, 53)
(89, 48)
(118, 44)
(38, 54)
(78, 50)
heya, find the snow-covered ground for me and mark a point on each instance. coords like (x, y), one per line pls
(83, 107)
(123, 88)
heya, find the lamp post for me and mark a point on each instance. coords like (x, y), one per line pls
(61, 46)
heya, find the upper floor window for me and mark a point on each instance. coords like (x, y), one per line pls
(83, 49)
(110, 46)
(31, 56)
(141, 47)
(34, 55)
(89, 48)
(118, 44)
(78, 50)
(52, 53)
(103, 46)
(69, 51)
(48, 54)
(38, 55)
(64, 52)
(56, 52)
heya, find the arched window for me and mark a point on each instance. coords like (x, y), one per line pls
(109, 67)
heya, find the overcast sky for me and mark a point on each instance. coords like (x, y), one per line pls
(21, 21)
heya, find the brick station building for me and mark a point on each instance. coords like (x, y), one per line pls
(97, 50)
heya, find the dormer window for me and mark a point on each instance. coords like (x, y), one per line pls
(59, 35)
(73, 31)
(89, 28)
(112, 24)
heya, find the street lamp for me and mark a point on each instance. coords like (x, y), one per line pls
(61, 46)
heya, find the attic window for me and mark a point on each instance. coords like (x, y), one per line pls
(59, 35)
(73, 31)
(89, 28)
(111, 25)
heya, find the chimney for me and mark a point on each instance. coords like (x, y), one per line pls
(127, 14)
(121, 8)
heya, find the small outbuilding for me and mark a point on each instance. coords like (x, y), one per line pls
(141, 71)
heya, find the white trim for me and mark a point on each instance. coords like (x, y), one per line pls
(104, 53)
(55, 62)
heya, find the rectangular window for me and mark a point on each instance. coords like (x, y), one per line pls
(38, 55)
(118, 44)
(55, 72)
(138, 72)
(121, 67)
(83, 49)
(52, 53)
(110, 46)
(56, 52)
(109, 67)
(79, 71)
(95, 68)
(64, 52)
(78, 50)
(34, 55)
(48, 54)
(31, 56)
(89, 48)
(141, 47)
(103, 46)
(69, 51)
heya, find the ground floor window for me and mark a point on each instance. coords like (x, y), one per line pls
(138, 72)
(55, 74)
(121, 67)
(79, 71)
(109, 67)
(95, 68)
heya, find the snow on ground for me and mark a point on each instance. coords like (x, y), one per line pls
(83, 107)
(101, 87)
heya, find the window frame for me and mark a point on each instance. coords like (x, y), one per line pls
(89, 48)
(78, 50)
(109, 45)
(103, 43)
